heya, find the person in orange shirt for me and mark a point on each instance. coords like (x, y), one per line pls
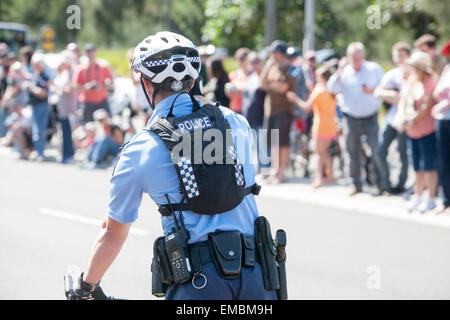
(324, 129)
(238, 78)
(93, 80)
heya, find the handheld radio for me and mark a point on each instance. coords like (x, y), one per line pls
(177, 250)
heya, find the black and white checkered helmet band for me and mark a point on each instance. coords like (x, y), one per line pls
(168, 61)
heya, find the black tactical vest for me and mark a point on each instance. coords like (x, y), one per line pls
(211, 179)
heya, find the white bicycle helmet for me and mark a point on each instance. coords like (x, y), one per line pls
(168, 60)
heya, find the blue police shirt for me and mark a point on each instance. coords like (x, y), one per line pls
(145, 166)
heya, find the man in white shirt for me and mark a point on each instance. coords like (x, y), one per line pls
(356, 79)
(389, 92)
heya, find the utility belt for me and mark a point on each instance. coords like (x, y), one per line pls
(229, 251)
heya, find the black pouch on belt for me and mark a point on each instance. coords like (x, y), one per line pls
(249, 250)
(226, 250)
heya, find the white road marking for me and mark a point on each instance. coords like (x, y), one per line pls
(85, 220)
(361, 204)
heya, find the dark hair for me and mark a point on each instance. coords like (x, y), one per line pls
(217, 68)
(324, 72)
(427, 39)
(27, 53)
(278, 46)
(114, 128)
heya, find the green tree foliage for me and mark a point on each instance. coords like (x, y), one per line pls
(235, 23)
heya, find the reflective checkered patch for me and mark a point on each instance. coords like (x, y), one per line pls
(188, 177)
(238, 169)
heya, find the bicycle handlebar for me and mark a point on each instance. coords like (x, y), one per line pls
(70, 293)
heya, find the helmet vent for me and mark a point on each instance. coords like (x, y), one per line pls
(158, 69)
(164, 39)
(195, 65)
(178, 67)
(143, 48)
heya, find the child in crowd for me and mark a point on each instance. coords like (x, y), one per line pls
(324, 129)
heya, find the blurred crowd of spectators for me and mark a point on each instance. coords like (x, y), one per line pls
(337, 108)
(72, 95)
(333, 108)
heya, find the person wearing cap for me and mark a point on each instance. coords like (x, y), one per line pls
(37, 89)
(441, 112)
(66, 101)
(427, 43)
(304, 74)
(305, 79)
(278, 110)
(294, 54)
(73, 47)
(416, 101)
(356, 80)
(93, 80)
(389, 92)
(107, 141)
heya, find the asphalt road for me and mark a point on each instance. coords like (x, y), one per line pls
(50, 217)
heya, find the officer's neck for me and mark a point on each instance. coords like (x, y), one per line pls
(162, 95)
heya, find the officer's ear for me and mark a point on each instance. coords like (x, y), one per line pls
(148, 86)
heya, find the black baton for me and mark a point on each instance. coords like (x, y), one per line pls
(280, 244)
(267, 253)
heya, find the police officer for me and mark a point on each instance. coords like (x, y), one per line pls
(169, 64)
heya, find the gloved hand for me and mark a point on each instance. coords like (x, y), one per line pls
(87, 291)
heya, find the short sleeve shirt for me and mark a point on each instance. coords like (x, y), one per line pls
(392, 80)
(41, 81)
(145, 167)
(425, 125)
(277, 103)
(98, 72)
(238, 78)
(355, 102)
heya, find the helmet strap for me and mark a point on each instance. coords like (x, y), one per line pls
(155, 92)
(150, 102)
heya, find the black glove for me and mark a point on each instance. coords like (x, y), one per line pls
(87, 291)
